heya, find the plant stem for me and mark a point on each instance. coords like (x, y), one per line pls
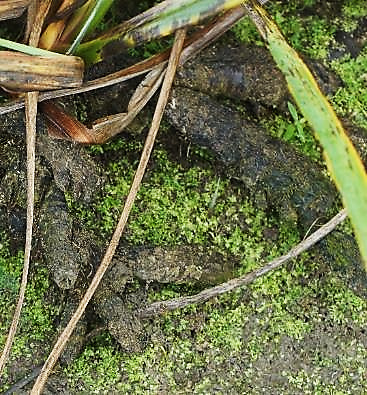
(31, 100)
(162, 101)
(178, 303)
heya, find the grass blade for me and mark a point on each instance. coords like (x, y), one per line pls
(342, 158)
(93, 16)
(157, 22)
(27, 49)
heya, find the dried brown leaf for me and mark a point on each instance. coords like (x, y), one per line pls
(67, 7)
(65, 127)
(21, 72)
(12, 8)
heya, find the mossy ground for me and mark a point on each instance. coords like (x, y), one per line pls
(226, 344)
(298, 330)
(314, 36)
(36, 324)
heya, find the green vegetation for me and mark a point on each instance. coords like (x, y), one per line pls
(342, 159)
(293, 303)
(230, 338)
(178, 206)
(36, 324)
(223, 343)
(296, 132)
(238, 327)
(246, 32)
(230, 343)
(314, 37)
(98, 368)
(352, 11)
(351, 99)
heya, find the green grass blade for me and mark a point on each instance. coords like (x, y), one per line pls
(157, 22)
(95, 14)
(27, 49)
(342, 159)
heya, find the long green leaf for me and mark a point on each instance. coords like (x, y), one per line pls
(342, 159)
(27, 49)
(158, 21)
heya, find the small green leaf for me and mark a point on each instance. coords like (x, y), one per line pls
(293, 111)
(289, 132)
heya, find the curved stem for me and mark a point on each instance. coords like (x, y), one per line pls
(148, 147)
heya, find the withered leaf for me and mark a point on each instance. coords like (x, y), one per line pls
(12, 8)
(21, 72)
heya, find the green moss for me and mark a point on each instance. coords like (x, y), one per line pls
(246, 32)
(353, 10)
(180, 205)
(151, 48)
(351, 99)
(80, 109)
(345, 306)
(221, 345)
(296, 132)
(348, 380)
(177, 206)
(36, 323)
(10, 272)
(97, 370)
(311, 35)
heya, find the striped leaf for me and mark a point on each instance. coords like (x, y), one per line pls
(156, 22)
(342, 158)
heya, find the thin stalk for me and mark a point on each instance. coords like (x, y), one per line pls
(31, 100)
(179, 303)
(27, 49)
(149, 143)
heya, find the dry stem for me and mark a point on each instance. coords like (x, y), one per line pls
(162, 101)
(31, 100)
(178, 303)
(31, 113)
(192, 46)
